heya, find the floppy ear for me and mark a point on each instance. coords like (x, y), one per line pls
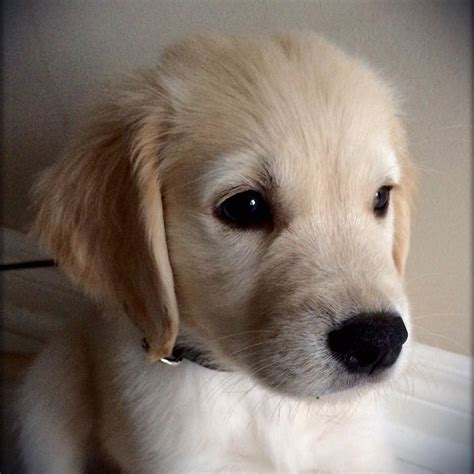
(100, 212)
(403, 200)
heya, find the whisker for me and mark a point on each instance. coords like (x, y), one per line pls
(250, 346)
(441, 336)
(256, 331)
(436, 315)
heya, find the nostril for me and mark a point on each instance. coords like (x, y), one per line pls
(389, 358)
(366, 357)
(368, 342)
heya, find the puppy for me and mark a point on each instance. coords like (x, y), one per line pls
(241, 213)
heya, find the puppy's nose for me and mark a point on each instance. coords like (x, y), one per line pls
(368, 342)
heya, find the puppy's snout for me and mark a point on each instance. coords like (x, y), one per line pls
(368, 342)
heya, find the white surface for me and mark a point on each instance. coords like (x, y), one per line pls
(430, 412)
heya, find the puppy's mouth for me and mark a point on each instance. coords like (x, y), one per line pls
(362, 350)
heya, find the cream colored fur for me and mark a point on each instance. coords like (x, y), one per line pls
(130, 216)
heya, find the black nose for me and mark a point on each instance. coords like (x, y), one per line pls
(369, 341)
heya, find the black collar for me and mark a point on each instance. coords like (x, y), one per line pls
(183, 351)
(193, 354)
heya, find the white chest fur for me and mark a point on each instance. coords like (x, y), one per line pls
(157, 418)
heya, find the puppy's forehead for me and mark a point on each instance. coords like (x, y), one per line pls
(294, 105)
(301, 175)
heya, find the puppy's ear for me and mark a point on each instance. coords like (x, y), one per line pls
(403, 201)
(100, 212)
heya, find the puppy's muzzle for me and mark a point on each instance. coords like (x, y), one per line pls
(368, 343)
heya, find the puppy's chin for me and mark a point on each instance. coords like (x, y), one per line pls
(334, 384)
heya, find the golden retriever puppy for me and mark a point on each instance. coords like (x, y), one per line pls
(241, 213)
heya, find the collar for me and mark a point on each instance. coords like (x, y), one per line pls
(192, 354)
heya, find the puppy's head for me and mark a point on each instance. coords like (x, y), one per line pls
(257, 190)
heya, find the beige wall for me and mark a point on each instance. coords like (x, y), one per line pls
(57, 53)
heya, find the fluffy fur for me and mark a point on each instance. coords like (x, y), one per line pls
(130, 214)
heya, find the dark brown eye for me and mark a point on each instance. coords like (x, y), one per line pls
(246, 209)
(381, 201)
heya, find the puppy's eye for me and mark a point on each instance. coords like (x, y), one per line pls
(381, 201)
(246, 209)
